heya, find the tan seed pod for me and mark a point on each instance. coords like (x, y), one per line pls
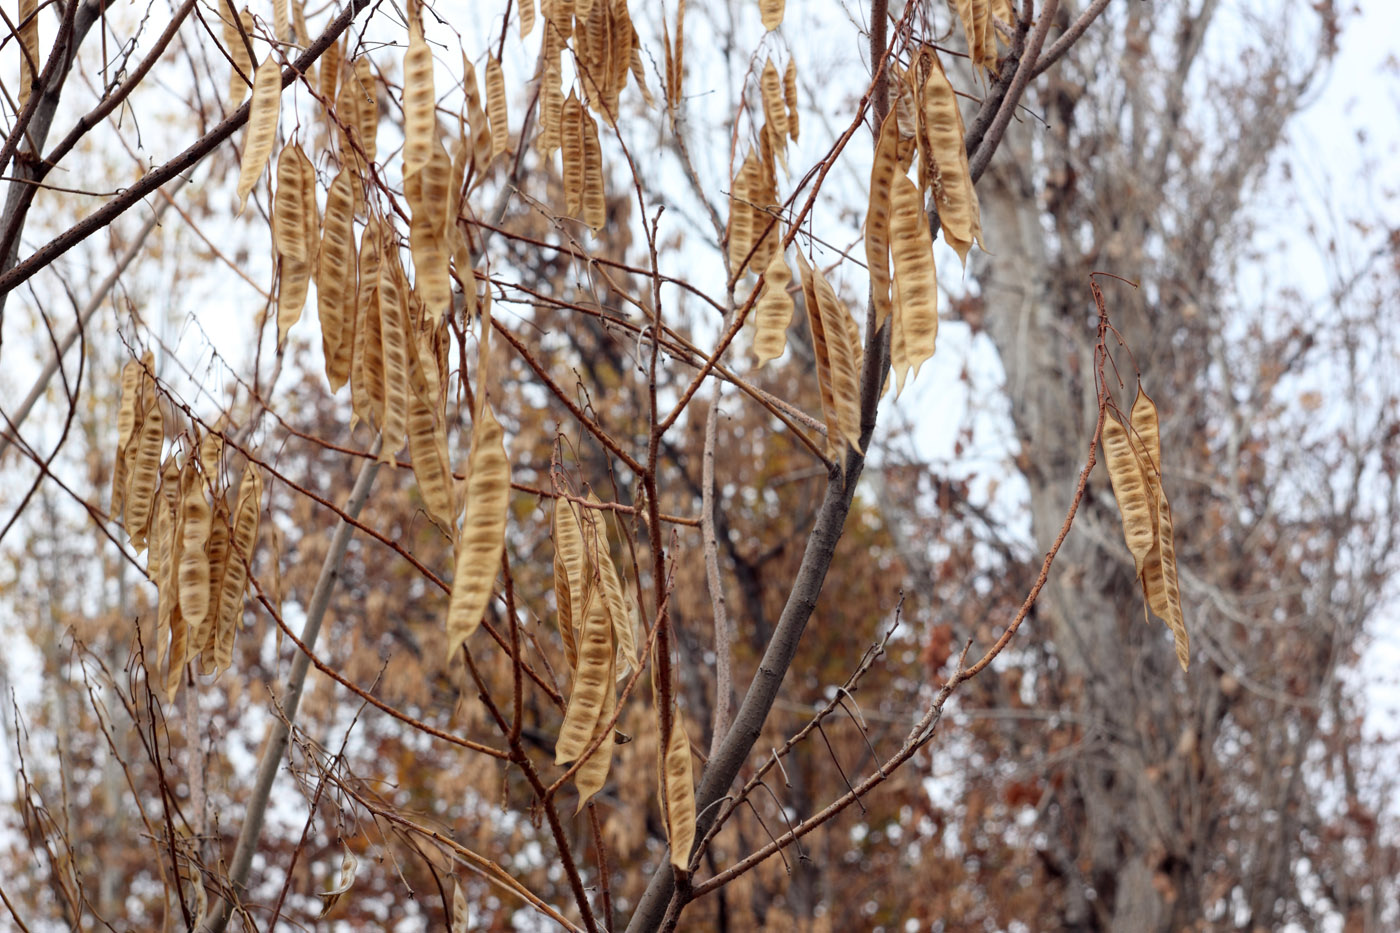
(427, 194)
(915, 278)
(680, 793)
(328, 81)
(527, 17)
(572, 155)
(163, 562)
(482, 539)
(763, 189)
(1169, 597)
(294, 226)
(336, 279)
(551, 107)
(144, 470)
(427, 446)
(238, 52)
(242, 541)
(790, 98)
(461, 911)
(281, 22)
(217, 552)
(624, 635)
(639, 74)
(593, 773)
(299, 23)
(367, 89)
(483, 147)
(195, 516)
(419, 102)
(211, 453)
(347, 114)
(174, 624)
(570, 576)
(30, 64)
(744, 220)
(774, 111)
(1147, 437)
(958, 212)
(367, 364)
(262, 127)
(1128, 474)
(126, 426)
(496, 107)
(843, 346)
(396, 340)
(773, 312)
(594, 679)
(594, 200)
(771, 11)
(877, 217)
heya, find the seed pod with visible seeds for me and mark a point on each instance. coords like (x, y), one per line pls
(773, 312)
(336, 279)
(419, 102)
(262, 127)
(482, 538)
(915, 278)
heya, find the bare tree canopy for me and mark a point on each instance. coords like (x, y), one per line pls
(736, 466)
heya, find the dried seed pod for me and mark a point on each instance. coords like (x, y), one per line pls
(773, 312)
(496, 107)
(363, 84)
(572, 155)
(593, 680)
(294, 232)
(836, 345)
(427, 196)
(483, 529)
(551, 107)
(195, 516)
(568, 569)
(958, 212)
(771, 12)
(336, 279)
(126, 426)
(419, 102)
(482, 145)
(329, 79)
(1128, 475)
(29, 61)
(242, 540)
(527, 17)
(877, 217)
(593, 773)
(262, 127)
(774, 111)
(790, 98)
(238, 53)
(427, 446)
(395, 339)
(594, 201)
(680, 793)
(367, 363)
(145, 469)
(915, 278)
(1169, 596)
